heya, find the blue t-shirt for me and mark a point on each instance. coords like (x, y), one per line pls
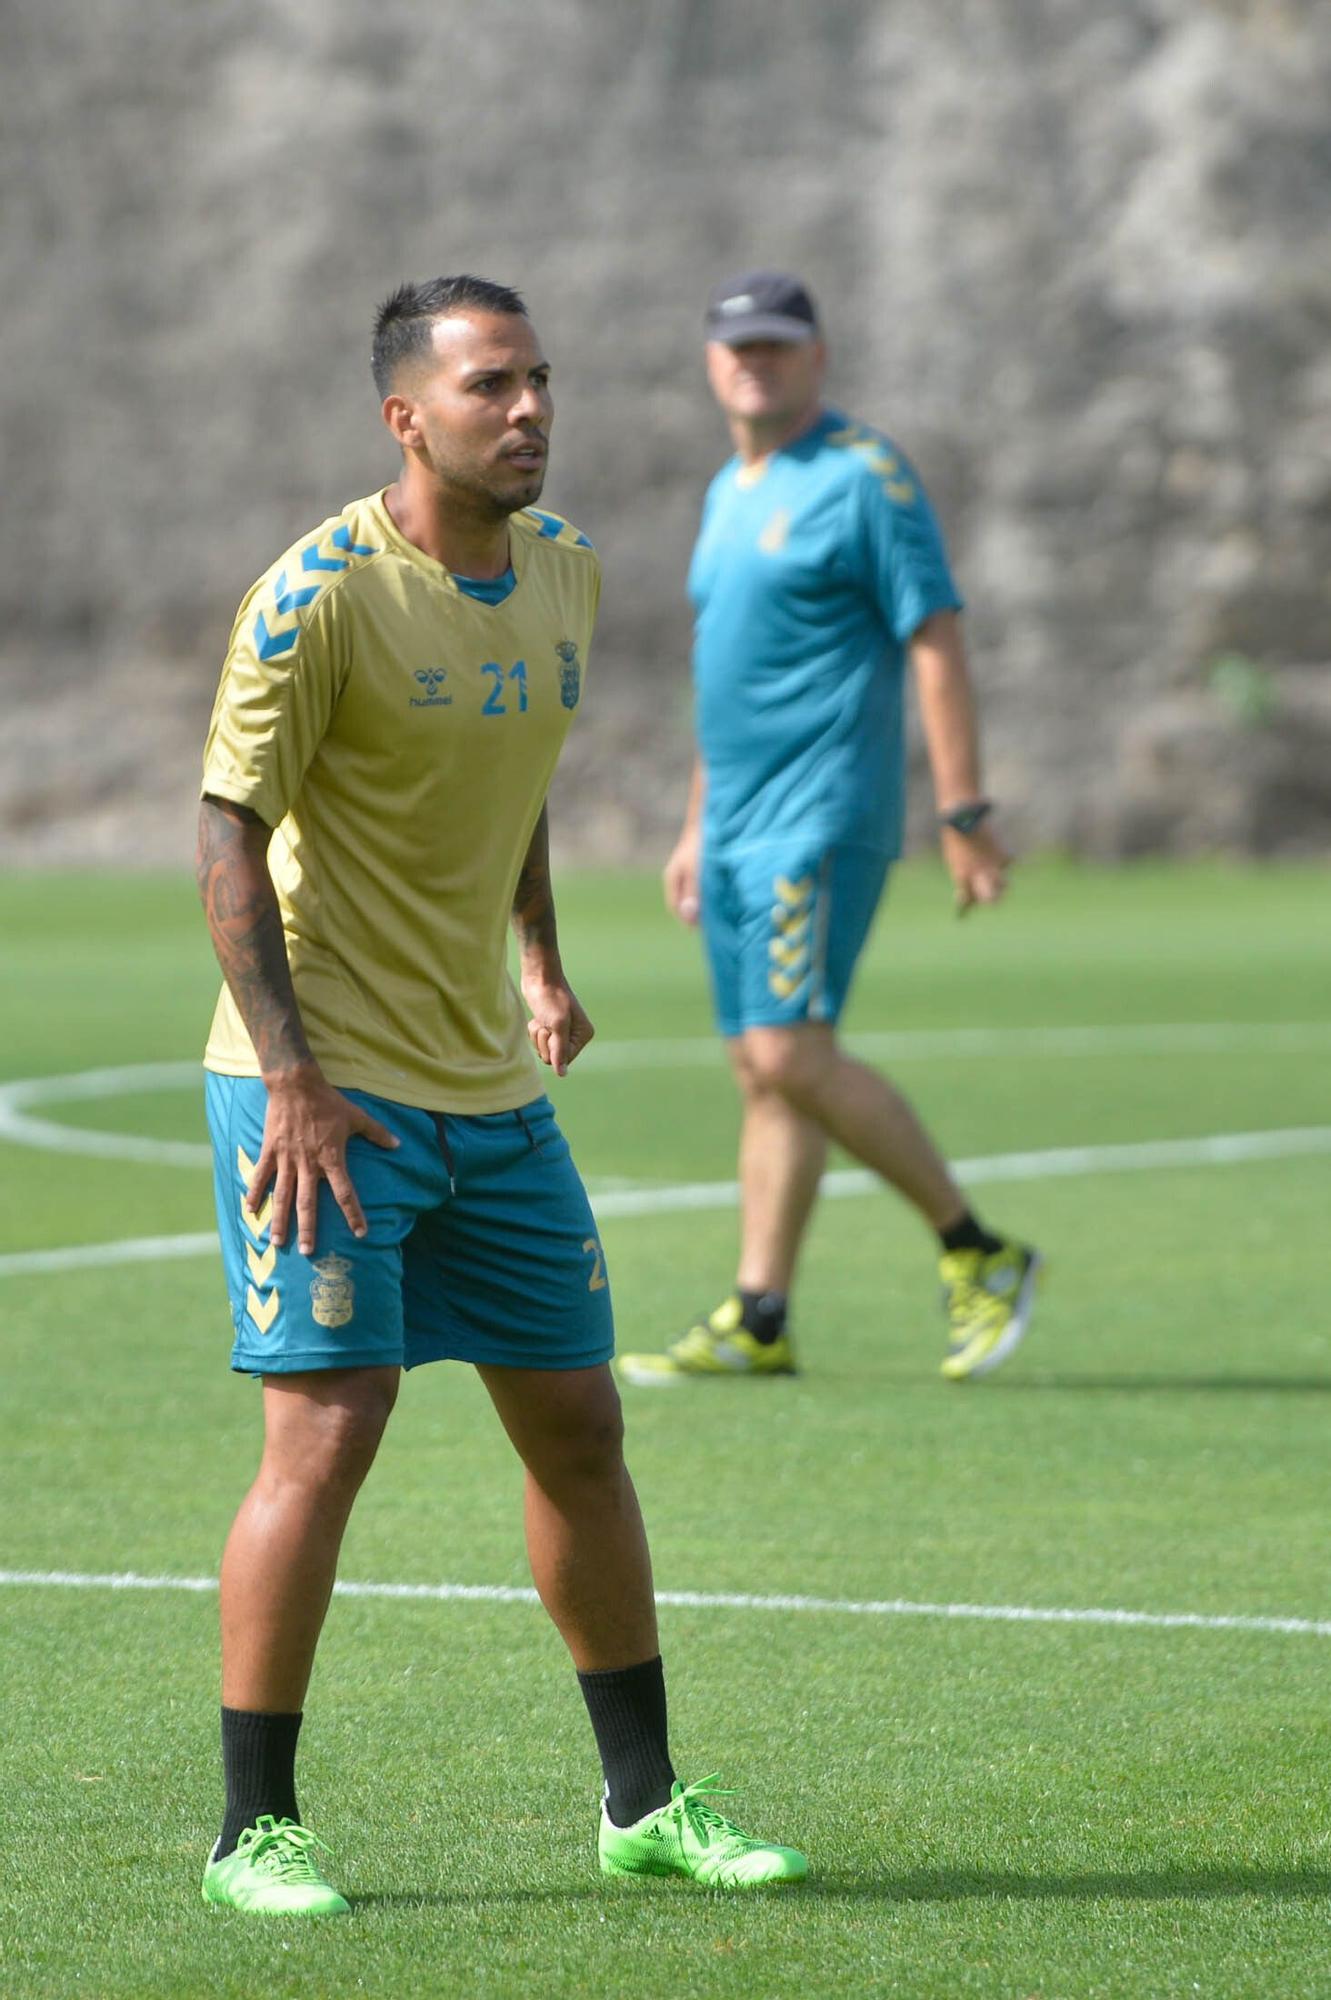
(810, 574)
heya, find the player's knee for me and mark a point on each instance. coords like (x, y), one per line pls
(741, 1065)
(362, 1425)
(591, 1448)
(333, 1440)
(785, 1060)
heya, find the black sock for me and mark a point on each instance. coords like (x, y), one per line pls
(627, 1706)
(763, 1314)
(968, 1234)
(259, 1762)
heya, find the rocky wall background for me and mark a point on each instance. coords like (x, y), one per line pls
(1076, 257)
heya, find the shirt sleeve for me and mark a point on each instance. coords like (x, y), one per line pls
(592, 605)
(900, 545)
(280, 685)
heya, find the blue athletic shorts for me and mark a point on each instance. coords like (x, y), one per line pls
(784, 922)
(481, 1247)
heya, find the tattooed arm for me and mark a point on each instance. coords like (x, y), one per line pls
(559, 1028)
(240, 903)
(534, 903)
(308, 1123)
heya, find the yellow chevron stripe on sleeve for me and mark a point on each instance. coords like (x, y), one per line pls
(791, 927)
(876, 458)
(789, 955)
(245, 1165)
(783, 984)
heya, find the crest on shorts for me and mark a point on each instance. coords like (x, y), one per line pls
(570, 673)
(332, 1294)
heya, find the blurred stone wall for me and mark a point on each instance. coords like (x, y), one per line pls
(1075, 257)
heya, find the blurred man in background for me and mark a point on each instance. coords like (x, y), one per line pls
(818, 570)
(394, 699)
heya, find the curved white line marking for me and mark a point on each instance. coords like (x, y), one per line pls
(693, 1052)
(1222, 1149)
(88, 1084)
(726, 1600)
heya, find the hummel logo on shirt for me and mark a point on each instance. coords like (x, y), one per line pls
(431, 679)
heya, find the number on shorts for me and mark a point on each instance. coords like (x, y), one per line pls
(596, 1282)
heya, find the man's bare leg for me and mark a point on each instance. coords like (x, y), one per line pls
(592, 1569)
(799, 1089)
(321, 1432)
(988, 1283)
(782, 1153)
(585, 1538)
(859, 1109)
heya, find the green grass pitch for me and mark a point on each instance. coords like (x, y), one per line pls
(1017, 1810)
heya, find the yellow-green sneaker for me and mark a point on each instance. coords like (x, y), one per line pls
(719, 1345)
(272, 1872)
(689, 1837)
(988, 1298)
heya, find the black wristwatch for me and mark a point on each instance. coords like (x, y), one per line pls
(965, 818)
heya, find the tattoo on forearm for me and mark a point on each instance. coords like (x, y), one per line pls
(246, 926)
(533, 899)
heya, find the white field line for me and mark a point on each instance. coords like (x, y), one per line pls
(21, 1128)
(725, 1600)
(1220, 1149)
(133, 1079)
(93, 1256)
(925, 1044)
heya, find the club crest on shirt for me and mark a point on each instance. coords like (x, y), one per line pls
(570, 673)
(332, 1294)
(776, 533)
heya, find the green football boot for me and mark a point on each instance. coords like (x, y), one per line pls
(689, 1837)
(719, 1345)
(273, 1872)
(988, 1298)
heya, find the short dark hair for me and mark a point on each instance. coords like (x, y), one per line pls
(402, 323)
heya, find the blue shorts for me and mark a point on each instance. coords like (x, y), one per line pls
(784, 922)
(481, 1246)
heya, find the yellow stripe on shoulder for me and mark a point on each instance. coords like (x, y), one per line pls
(851, 434)
(881, 460)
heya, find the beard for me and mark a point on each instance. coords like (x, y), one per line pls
(491, 492)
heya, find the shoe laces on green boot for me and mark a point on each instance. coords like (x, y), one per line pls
(272, 1872)
(690, 1837)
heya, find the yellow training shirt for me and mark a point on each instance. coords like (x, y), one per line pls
(400, 736)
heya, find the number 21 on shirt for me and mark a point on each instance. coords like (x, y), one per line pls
(495, 703)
